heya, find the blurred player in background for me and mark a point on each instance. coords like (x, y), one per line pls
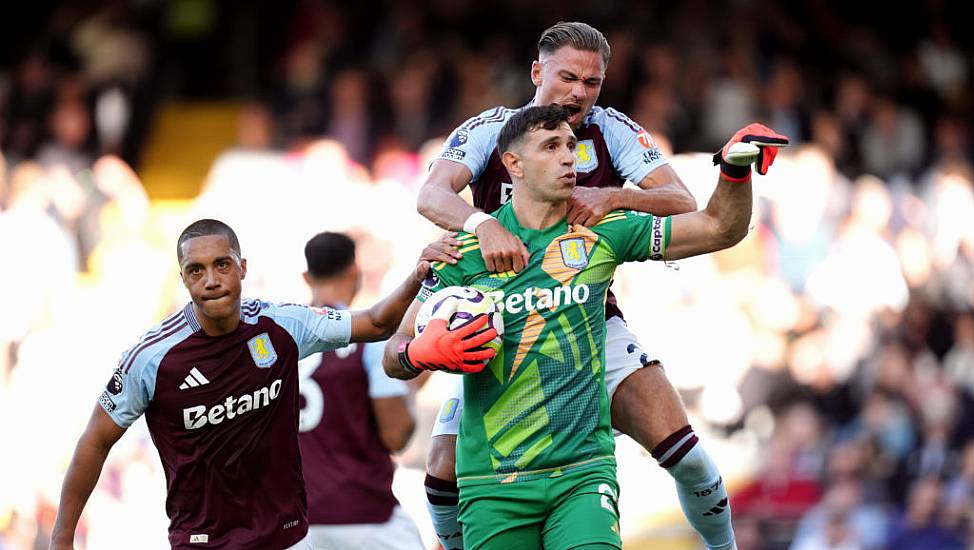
(218, 384)
(352, 417)
(535, 463)
(569, 71)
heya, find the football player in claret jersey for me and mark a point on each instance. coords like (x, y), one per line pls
(570, 68)
(535, 463)
(352, 417)
(218, 384)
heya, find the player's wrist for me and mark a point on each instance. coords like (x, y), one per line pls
(619, 198)
(732, 172)
(475, 220)
(404, 361)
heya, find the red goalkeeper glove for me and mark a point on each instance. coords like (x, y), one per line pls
(754, 144)
(458, 351)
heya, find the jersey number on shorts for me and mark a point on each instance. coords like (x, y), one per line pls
(608, 497)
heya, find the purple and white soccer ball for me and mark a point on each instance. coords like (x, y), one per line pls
(458, 305)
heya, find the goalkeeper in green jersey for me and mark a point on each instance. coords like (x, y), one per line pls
(535, 461)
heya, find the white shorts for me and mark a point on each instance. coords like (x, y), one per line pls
(303, 544)
(398, 533)
(623, 356)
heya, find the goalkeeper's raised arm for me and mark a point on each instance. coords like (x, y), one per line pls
(724, 222)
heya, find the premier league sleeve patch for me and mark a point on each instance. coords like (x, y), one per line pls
(114, 385)
(429, 286)
(262, 351)
(454, 149)
(459, 138)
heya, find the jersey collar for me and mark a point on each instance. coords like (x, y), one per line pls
(508, 219)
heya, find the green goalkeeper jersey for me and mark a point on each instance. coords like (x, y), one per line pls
(540, 407)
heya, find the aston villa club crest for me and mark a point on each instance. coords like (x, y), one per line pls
(262, 350)
(449, 410)
(586, 158)
(573, 253)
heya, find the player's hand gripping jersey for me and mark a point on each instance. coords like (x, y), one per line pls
(540, 406)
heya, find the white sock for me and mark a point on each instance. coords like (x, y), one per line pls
(703, 496)
(442, 499)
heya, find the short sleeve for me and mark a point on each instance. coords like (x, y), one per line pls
(127, 394)
(314, 329)
(132, 386)
(380, 385)
(472, 143)
(634, 152)
(635, 236)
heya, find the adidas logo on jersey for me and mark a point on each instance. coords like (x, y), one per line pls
(194, 379)
(196, 417)
(534, 298)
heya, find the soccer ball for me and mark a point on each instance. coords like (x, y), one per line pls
(458, 305)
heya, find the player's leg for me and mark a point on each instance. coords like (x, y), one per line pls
(441, 472)
(527, 537)
(503, 517)
(584, 510)
(401, 531)
(647, 407)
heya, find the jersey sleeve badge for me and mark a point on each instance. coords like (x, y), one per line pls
(646, 140)
(430, 284)
(454, 149)
(586, 159)
(573, 253)
(262, 351)
(459, 138)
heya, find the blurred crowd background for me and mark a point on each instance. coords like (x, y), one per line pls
(827, 360)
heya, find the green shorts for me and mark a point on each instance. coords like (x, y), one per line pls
(555, 513)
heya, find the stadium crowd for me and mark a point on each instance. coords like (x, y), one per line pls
(837, 365)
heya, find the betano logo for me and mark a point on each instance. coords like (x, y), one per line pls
(196, 417)
(534, 298)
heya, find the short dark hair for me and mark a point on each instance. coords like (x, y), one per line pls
(329, 254)
(576, 34)
(204, 228)
(547, 117)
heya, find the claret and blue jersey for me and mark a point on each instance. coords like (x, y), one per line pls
(611, 149)
(223, 414)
